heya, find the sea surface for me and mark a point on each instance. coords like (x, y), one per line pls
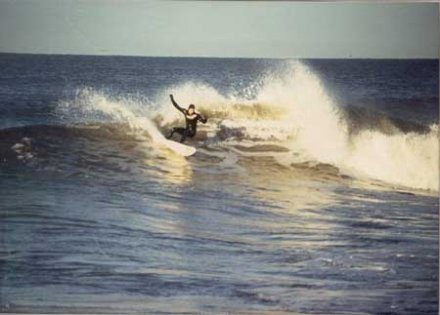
(314, 188)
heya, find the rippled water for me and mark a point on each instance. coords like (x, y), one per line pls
(141, 231)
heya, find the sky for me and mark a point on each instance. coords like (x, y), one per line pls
(280, 29)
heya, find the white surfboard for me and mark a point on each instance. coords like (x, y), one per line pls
(158, 137)
(177, 147)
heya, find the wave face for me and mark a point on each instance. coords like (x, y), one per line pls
(291, 107)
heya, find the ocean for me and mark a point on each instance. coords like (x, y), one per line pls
(314, 188)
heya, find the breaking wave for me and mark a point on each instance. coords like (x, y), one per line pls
(291, 107)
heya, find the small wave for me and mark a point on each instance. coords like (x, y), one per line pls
(80, 151)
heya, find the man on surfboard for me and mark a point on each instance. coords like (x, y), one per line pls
(191, 119)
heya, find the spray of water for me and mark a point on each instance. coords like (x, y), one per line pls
(91, 106)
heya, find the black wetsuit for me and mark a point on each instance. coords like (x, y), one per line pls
(191, 123)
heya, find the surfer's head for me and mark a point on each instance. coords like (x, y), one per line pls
(191, 109)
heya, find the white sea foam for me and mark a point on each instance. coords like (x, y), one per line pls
(90, 105)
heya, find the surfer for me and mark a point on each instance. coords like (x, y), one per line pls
(191, 119)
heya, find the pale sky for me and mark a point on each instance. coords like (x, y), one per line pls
(280, 29)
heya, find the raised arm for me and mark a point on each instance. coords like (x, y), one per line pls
(176, 105)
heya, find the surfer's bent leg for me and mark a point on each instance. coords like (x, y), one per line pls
(180, 131)
(182, 139)
(187, 133)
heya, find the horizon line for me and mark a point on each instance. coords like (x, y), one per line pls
(211, 57)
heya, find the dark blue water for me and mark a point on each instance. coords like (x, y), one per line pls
(313, 189)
